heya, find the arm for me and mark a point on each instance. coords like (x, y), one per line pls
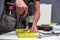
(36, 16)
(36, 13)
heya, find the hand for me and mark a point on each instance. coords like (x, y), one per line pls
(26, 28)
(34, 29)
(21, 7)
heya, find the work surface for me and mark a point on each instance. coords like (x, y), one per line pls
(12, 36)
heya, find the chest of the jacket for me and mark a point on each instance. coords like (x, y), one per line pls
(28, 1)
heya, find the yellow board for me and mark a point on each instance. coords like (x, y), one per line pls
(26, 34)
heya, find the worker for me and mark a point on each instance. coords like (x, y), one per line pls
(21, 7)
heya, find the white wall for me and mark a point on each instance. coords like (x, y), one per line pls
(45, 14)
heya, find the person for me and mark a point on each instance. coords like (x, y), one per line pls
(7, 22)
(21, 7)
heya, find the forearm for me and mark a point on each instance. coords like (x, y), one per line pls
(36, 13)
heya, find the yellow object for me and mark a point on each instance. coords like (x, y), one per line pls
(26, 34)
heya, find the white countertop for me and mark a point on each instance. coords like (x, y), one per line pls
(12, 35)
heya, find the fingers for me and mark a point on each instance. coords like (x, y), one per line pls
(26, 12)
(36, 30)
(33, 29)
(26, 28)
(17, 9)
(21, 9)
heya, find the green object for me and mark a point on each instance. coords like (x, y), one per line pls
(30, 19)
(45, 25)
(26, 34)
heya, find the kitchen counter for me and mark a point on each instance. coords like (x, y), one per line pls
(12, 36)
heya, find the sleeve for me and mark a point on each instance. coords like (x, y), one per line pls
(38, 0)
(34, 0)
(31, 0)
